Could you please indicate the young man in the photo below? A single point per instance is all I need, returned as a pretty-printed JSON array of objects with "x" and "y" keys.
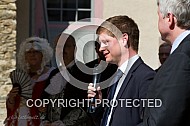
[
  {"x": 172, "y": 82},
  {"x": 119, "y": 39}
]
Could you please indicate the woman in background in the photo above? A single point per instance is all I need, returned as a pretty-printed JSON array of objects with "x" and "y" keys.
[{"x": 34, "y": 54}]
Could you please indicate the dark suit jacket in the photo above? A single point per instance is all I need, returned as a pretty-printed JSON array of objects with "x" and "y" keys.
[
  {"x": 172, "y": 86},
  {"x": 70, "y": 92},
  {"x": 134, "y": 86}
]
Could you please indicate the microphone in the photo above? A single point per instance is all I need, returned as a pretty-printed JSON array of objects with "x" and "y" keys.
[{"x": 95, "y": 81}]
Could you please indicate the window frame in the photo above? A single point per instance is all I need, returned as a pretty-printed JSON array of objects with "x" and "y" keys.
[{"x": 61, "y": 9}]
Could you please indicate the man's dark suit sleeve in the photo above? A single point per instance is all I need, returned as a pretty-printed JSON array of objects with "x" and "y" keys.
[{"x": 172, "y": 86}]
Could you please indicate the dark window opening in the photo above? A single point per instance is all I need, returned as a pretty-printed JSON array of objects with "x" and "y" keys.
[{"x": 69, "y": 10}]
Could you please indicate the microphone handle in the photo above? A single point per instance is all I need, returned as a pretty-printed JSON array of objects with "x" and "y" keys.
[{"x": 96, "y": 80}]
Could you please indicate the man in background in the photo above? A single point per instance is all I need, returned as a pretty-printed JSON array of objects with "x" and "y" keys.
[{"x": 164, "y": 52}]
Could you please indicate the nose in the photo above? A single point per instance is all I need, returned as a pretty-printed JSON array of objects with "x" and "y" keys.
[
  {"x": 165, "y": 55},
  {"x": 101, "y": 49}
]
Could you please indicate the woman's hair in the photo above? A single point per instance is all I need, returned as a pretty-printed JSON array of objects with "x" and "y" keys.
[
  {"x": 42, "y": 45},
  {"x": 179, "y": 8}
]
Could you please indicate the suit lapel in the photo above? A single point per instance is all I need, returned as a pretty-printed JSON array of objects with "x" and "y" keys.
[{"x": 127, "y": 79}]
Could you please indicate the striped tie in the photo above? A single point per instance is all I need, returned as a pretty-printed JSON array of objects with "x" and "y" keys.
[{"x": 110, "y": 96}]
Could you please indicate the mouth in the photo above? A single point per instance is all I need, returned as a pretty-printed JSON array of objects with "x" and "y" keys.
[{"x": 105, "y": 55}]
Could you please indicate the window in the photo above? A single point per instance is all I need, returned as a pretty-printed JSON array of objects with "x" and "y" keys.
[{"x": 69, "y": 10}]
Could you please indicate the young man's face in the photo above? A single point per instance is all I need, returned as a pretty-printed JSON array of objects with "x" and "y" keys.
[{"x": 110, "y": 48}]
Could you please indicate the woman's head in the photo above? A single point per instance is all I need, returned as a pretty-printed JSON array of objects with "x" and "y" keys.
[{"x": 34, "y": 52}]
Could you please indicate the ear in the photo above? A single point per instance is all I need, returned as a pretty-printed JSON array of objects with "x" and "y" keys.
[
  {"x": 125, "y": 39},
  {"x": 171, "y": 20}
]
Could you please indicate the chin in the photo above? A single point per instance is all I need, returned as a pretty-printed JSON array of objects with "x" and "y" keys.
[{"x": 108, "y": 60}]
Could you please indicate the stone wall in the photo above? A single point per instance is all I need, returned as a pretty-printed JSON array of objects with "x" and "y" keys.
[{"x": 7, "y": 49}]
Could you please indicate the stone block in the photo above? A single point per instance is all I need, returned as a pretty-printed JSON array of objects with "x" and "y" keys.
[
  {"x": 8, "y": 1},
  {"x": 11, "y": 6},
  {"x": 7, "y": 14}
]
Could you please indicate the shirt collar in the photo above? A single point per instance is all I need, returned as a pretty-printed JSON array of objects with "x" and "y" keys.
[
  {"x": 178, "y": 40},
  {"x": 128, "y": 63}
]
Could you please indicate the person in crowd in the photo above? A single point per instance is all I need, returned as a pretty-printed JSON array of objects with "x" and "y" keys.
[
  {"x": 60, "y": 87},
  {"x": 164, "y": 52},
  {"x": 171, "y": 83},
  {"x": 99, "y": 54},
  {"x": 33, "y": 56},
  {"x": 119, "y": 40}
]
